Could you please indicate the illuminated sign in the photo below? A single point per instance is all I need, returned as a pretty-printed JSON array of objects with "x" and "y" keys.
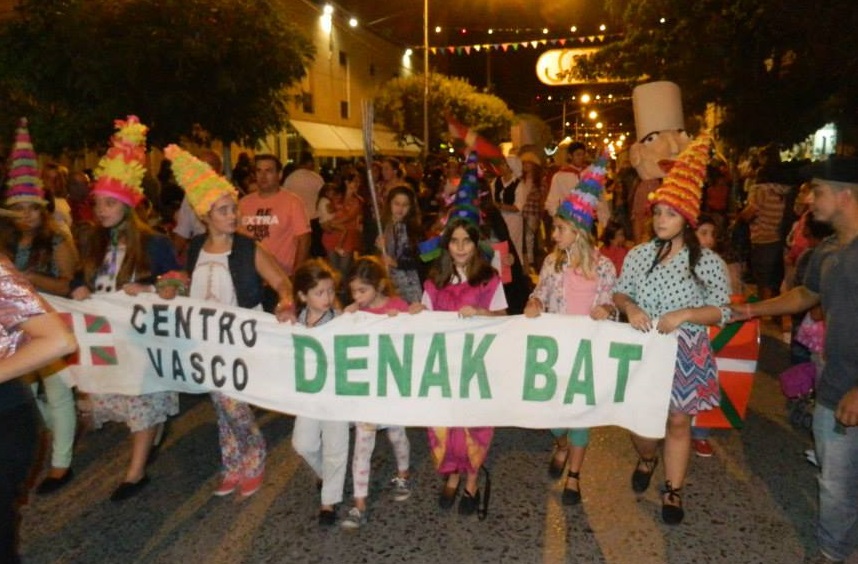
[{"x": 556, "y": 67}]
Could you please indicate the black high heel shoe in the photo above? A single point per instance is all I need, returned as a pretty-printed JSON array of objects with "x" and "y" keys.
[
  {"x": 570, "y": 496},
  {"x": 642, "y": 478},
  {"x": 672, "y": 512}
]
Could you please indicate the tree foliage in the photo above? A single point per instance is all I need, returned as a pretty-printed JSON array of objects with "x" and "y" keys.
[
  {"x": 217, "y": 68},
  {"x": 400, "y": 106},
  {"x": 779, "y": 69}
]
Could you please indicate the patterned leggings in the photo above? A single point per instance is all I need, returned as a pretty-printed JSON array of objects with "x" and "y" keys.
[
  {"x": 365, "y": 444},
  {"x": 242, "y": 446}
]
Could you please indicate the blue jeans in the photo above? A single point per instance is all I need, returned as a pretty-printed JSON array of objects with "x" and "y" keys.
[{"x": 837, "y": 453}]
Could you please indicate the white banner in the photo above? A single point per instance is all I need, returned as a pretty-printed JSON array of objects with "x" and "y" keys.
[{"x": 431, "y": 369}]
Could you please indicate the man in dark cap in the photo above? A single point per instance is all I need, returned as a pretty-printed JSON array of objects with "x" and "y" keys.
[{"x": 832, "y": 280}]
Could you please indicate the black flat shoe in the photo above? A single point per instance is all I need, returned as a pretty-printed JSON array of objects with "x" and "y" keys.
[
  {"x": 447, "y": 497},
  {"x": 127, "y": 490},
  {"x": 570, "y": 496},
  {"x": 327, "y": 518},
  {"x": 671, "y": 505},
  {"x": 642, "y": 478},
  {"x": 49, "y": 485},
  {"x": 469, "y": 503},
  {"x": 557, "y": 465}
]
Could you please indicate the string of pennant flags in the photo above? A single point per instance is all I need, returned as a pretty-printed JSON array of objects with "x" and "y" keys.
[{"x": 579, "y": 41}]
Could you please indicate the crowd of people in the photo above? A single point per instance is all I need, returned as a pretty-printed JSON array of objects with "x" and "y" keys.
[{"x": 519, "y": 236}]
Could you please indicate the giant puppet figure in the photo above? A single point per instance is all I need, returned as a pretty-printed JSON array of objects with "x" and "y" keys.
[{"x": 660, "y": 130}]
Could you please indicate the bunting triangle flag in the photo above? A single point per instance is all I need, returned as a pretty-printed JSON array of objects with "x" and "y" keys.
[
  {"x": 468, "y": 49},
  {"x": 451, "y": 49},
  {"x": 433, "y": 50},
  {"x": 561, "y": 42},
  {"x": 544, "y": 42},
  {"x": 534, "y": 44},
  {"x": 504, "y": 46},
  {"x": 477, "y": 48}
]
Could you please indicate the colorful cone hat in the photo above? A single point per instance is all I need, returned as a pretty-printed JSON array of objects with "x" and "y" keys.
[
  {"x": 682, "y": 188},
  {"x": 120, "y": 172},
  {"x": 23, "y": 183},
  {"x": 466, "y": 203},
  {"x": 581, "y": 203},
  {"x": 202, "y": 185}
]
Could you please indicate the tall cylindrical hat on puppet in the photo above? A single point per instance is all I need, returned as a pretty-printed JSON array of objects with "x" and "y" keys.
[
  {"x": 682, "y": 189},
  {"x": 657, "y": 107},
  {"x": 23, "y": 184},
  {"x": 121, "y": 170},
  {"x": 202, "y": 185}
]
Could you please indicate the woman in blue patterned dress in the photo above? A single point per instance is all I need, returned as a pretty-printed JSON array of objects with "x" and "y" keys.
[{"x": 672, "y": 284}]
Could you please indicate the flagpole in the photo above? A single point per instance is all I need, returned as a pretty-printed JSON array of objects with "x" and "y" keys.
[
  {"x": 368, "y": 115},
  {"x": 425, "y": 78}
]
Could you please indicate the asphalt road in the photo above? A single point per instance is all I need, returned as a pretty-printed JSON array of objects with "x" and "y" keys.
[{"x": 754, "y": 501}]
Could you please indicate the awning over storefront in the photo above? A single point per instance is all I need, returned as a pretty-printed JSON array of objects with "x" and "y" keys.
[
  {"x": 339, "y": 141},
  {"x": 387, "y": 143},
  {"x": 324, "y": 139}
]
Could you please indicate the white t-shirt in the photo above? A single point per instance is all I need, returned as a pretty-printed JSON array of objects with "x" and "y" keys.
[{"x": 211, "y": 280}]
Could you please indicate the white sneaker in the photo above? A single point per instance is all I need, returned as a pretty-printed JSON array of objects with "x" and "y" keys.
[
  {"x": 354, "y": 520},
  {"x": 810, "y": 455}
]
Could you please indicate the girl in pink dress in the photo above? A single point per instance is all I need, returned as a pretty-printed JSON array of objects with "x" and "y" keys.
[{"x": 461, "y": 280}]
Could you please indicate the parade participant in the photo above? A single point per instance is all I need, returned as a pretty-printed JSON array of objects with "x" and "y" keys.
[
  {"x": 685, "y": 288},
  {"x": 45, "y": 253},
  {"x": 276, "y": 219},
  {"x": 324, "y": 445},
  {"x": 125, "y": 254},
  {"x": 707, "y": 236},
  {"x": 831, "y": 281},
  {"x": 614, "y": 244},
  {"x": 510, "y": 194},
  {"x": 661, "y": 137},
  {"x": 567, "y": 176},
  {"x": 577, "y": 280},
  {"x": 462, "y": 280},
  {"x": 402, "y": 230},
  {"x": 229, "y": 268},
  {"x": 306, "y": 183},
  {"x": 31, "y": 336},
  {"x": 373, "y": 291}
]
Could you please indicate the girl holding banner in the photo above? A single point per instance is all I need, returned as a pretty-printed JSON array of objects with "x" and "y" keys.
[
  {"x": 126, "y": 254},
  {"x": 462, "y": 280},
  {"x": 45, "y": 253},
  {"x": 228, "y": 268},
  {"x": 575, "y": 279},
  {"x": 324, "y": 445},
  {"x": 685, "y": 288}
]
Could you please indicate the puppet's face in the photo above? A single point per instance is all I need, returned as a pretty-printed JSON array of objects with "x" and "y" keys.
[{"x": 654, "y": 155}]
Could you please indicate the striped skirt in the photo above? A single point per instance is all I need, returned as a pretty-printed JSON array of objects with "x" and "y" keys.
[{"x": 695, "y": 379}]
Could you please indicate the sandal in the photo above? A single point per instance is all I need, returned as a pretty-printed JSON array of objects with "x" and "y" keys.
[
  {"x": 642, "y": 478},
  {"x": 557, "y": 464},
  {"x": 570, "y": 496},
  {"x": 672, "y": 512}
]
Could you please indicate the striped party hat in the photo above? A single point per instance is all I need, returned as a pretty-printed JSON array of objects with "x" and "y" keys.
[{"x": 23, "y": 183}]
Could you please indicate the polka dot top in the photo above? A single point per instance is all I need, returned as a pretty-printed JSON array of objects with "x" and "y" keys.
[{"x": 670, "y": 286}]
